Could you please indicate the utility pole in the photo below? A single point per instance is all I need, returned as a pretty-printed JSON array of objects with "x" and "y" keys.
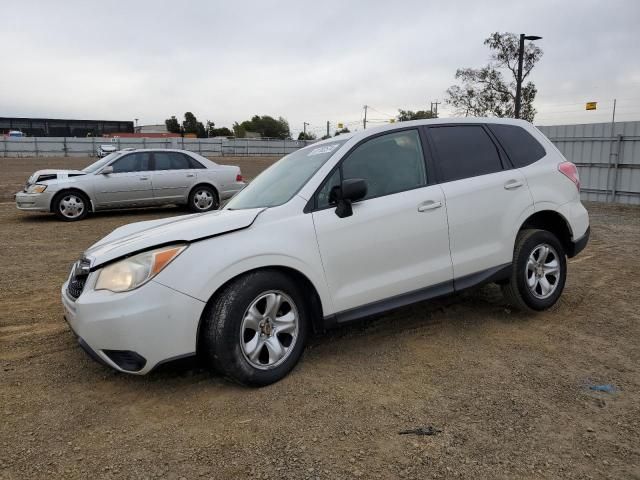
[
  {"x": 523, "y": 37},
  {"x": 304, "y": 130},
  {"x": 328, "y": 128},
  {"x": 434, "y": 108},
  {"x": 365, "y": 117}
]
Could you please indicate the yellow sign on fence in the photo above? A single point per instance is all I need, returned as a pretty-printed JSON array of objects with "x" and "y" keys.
[
  {"x": 341, "y": 125},
  {"x": 591, "y": 105}
]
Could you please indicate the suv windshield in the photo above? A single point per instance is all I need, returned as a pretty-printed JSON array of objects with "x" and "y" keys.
[
  {"x": 282, "y": 180},
  {"x": 94, "y": 167}
]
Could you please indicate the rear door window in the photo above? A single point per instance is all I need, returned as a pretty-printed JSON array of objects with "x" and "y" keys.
[
  {"x": 464, "y": 151},
  {"x": 519, "y": 144},
  {"x": 171, "y": 161}
]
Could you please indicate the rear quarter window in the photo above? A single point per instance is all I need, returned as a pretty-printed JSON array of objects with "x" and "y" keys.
[{"x": 519, "y": 144}]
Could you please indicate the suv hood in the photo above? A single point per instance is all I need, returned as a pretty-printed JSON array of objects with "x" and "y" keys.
[
  {"x": 140, "y": 236},
  {"x": 44, "y": 175}
]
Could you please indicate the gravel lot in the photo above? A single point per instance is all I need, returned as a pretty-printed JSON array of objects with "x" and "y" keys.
[{"x": 508, "y": 391}]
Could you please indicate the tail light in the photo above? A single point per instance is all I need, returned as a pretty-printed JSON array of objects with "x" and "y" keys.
[
  {"x": 570, "y": 171},
  {"x": 239, "y": 177}
]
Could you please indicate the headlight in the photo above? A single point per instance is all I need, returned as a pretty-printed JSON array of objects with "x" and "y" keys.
[
  {"x": 135, "y": 271},
  {"x": 36, "y": 188}
]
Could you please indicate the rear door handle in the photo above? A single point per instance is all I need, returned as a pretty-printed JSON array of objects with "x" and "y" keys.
[
  {"x": 429, "y": 205},
  {"x": 511, "y": 184},
  {"x": 190, "y": 175},
  {"x": 144, "y": 178}
]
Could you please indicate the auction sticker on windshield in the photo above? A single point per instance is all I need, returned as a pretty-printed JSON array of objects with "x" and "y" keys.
[{"x": 323, "y": 149}]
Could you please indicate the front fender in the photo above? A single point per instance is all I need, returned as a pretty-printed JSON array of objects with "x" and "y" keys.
[{"x": 207, "y": 265}]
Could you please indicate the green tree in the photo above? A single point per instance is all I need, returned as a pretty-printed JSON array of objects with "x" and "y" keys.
[
  {"x": 193, "y": 126},
  {"x": 485, "y": 92},
  {"x": 239, "y": 130},
  {"x": 307, "y": 136},
  {"x": 173, "y": 126},
  {"x": 265, "y": 125},
  {"x": 406, "y": 115},
  {"x": 190, "y": 123},
  {"x": 217, "y": 132},
  {"x": 343, "y": 130}
]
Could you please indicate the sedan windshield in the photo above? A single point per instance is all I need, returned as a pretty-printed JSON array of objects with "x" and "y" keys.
[
  {"x": 282, "y": 180},
  {"x": 94, "y": 167}
]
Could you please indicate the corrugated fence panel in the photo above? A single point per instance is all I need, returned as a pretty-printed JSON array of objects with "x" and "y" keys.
[
  {"x": 211, "y": 147},
  {"x": 608, "y": 160}
]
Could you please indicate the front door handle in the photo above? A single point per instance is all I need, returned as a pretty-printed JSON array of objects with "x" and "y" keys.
[
  {"x": 429, "y": 205},
  {"x": 144, "y": 178},
  {"x": 511, "y": 184}
]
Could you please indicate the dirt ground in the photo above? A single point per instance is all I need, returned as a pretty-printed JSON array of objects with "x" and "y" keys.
[{"x": 507, "y": 392}]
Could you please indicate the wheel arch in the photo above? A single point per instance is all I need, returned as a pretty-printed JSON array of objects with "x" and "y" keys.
[
  {"x": 309, "y": 291},
  {"x": 553, "y": 222},
  {"x": 70, "y": 190}
]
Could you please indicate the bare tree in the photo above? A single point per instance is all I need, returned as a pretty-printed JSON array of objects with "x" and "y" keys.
[{"x": 484, "y": 91}]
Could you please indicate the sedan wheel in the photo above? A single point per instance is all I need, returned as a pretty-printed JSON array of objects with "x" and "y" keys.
[
  {"x": 203, "y": 199},
  {"x": 71, "y": 206}
]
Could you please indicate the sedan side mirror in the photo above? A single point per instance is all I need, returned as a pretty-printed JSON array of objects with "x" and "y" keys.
[
  {"x": 351, "y": 190},
  {"x": 107, "y": 170}
]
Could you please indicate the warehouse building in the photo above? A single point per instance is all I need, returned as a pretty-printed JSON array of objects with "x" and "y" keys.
[{"x": 56, "y": 127}]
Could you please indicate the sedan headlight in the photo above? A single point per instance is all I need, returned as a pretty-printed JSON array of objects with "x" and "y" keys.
[
  {"x": 135, "y": 271},
  {"x": 36, "y": 188}
]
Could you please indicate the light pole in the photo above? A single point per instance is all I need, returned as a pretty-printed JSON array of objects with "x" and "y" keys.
[
  {"x": 523, "y": 37},
  {"x": 136, "y": 129},
  {"x": 304, "y": 131}
]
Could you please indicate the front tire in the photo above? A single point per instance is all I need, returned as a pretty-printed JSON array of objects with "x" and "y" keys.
[
  {"x": 255, "y": 329},
  {"x": 539, "y": 271},
  {"x": 71, "y": 206}
]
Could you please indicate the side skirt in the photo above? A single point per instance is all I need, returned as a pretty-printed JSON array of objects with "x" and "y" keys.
[{"x": 494, "y": 274}]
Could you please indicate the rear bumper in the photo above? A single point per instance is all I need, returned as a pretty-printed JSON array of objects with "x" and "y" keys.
[
  {"x": 232, "y": 190},
  {"x": 578, "y": 245}
]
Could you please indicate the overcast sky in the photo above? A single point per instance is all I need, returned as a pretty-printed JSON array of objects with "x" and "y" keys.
[{"x": 305, "y": 61}]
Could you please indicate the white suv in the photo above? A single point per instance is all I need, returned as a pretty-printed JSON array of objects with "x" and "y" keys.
[{"x": 337, "y": 231}]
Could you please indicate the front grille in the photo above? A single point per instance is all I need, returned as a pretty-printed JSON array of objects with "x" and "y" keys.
[{"x": 78, "y": 278}]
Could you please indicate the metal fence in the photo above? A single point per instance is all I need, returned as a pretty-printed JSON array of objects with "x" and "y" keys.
[
  {"x": 607, "y": 156},
  {"x": 210, "y": 147}
]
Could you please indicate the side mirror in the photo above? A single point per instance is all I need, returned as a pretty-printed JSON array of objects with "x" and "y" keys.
[
  {"x": 107, "y": 170},
  {"x": 351, "y": 190}
]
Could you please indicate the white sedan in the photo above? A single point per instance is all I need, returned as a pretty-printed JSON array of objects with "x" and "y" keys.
[{"x": 132, "y": 178}]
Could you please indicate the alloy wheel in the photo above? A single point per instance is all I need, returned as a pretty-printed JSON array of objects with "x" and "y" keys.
[
  {"x": 71, "y": 206},
  {"x": 269, "y": 330},
  {"x": 542, "y": 273},
  {"x": 203, "y": 199}
]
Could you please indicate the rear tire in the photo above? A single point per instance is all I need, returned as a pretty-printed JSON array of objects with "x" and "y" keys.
[
  {"x": 539, "y": 271},
  {"x": 255, "y": 329},
  {"x": 203, "y": 198},
  {"x": 70, "y": 206}
]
